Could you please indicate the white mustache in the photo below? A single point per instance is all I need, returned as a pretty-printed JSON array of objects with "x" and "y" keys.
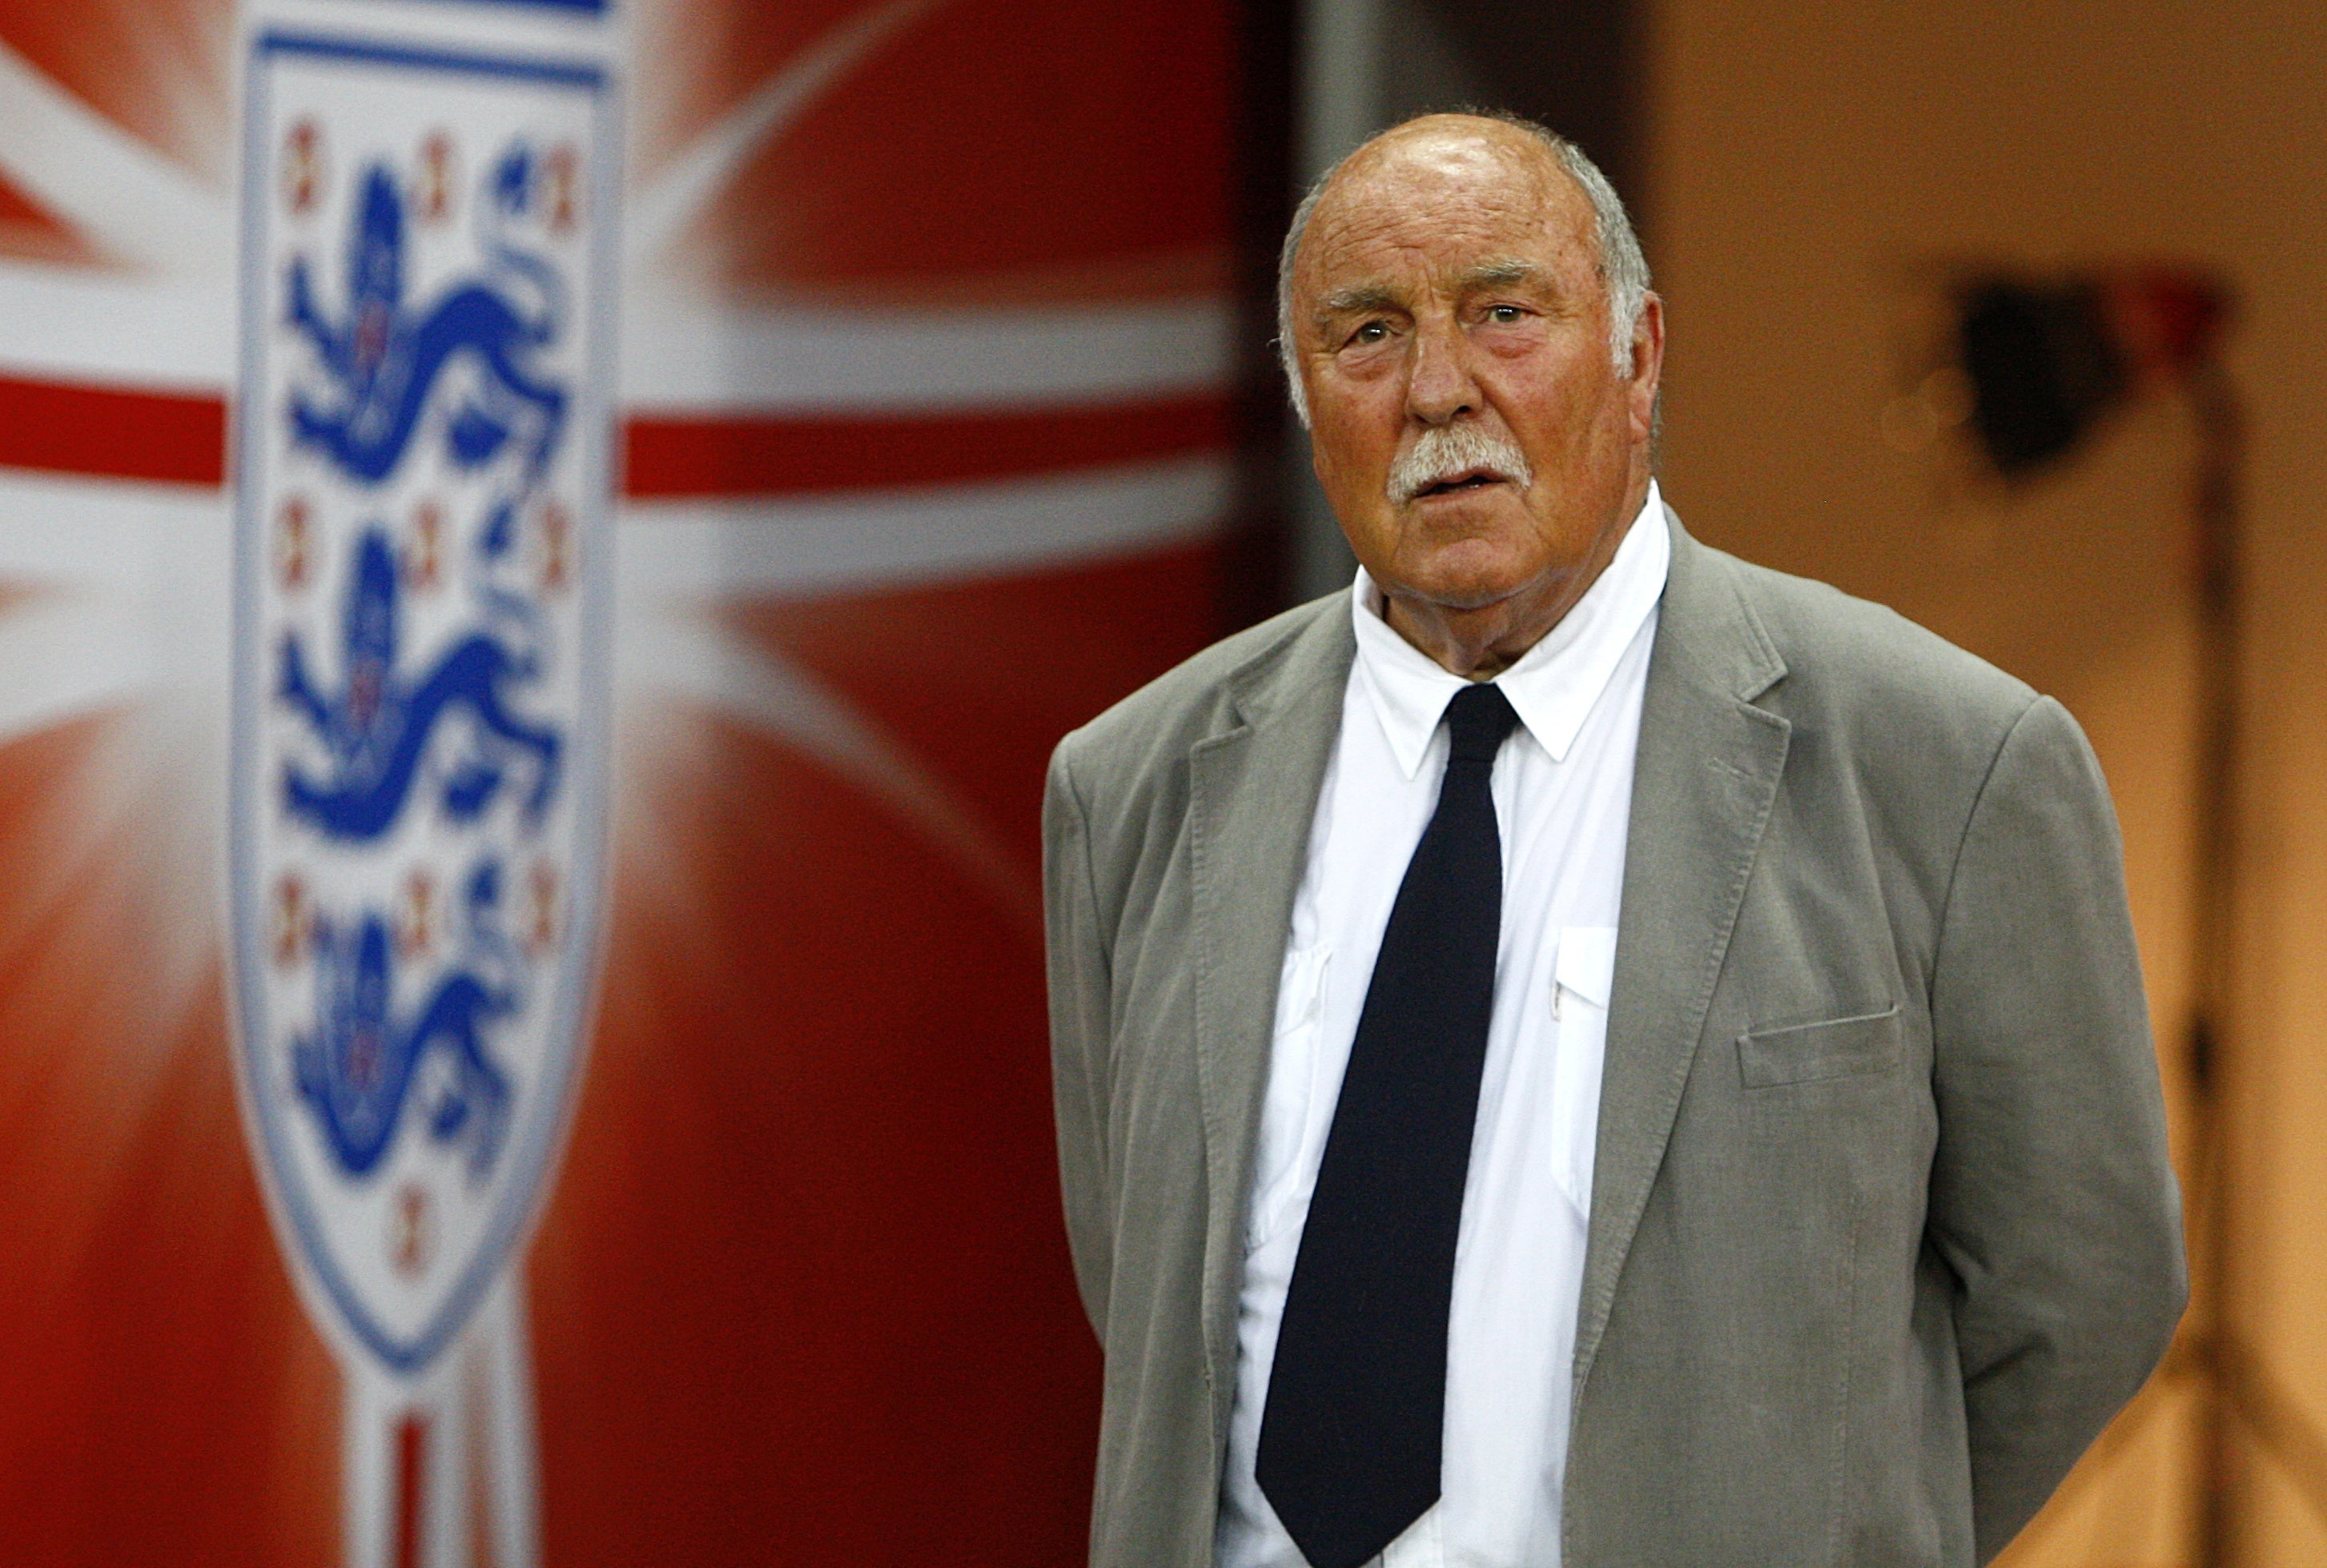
[{"x": 1444, "y": 451}]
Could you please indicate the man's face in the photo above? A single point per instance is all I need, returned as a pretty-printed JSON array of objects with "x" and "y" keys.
[{"x": 1467, "y": 421}]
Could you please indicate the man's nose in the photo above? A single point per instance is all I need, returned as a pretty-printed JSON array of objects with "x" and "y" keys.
[{"x": 1439, "y": 385}]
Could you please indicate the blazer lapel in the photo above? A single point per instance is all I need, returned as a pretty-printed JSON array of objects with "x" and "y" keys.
[
  {"x": 1252, "y": 793},
  {"x": 1705, "y": 775}
]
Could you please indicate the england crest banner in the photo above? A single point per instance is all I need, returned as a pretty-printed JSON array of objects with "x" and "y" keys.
[
  {"x": 423, "y": 595},
  {"x": 522, "y": 1037}
]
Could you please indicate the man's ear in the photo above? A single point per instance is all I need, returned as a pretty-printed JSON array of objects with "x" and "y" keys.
[{"x": 1648, "y": 364}]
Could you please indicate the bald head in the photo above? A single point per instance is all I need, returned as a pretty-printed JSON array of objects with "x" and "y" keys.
[{"x": 1535, "y": 165}]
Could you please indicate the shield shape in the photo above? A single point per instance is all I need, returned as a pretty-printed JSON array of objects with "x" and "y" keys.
[{"x": 421, "y": 657}]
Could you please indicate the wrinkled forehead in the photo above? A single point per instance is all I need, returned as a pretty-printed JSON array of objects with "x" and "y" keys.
[{"x": 1444, "y": 204}]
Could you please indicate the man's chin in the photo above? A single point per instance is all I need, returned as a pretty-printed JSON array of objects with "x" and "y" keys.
[{"x": 1471, "y": 575}]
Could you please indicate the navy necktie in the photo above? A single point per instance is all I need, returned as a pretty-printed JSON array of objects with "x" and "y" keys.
[{"x": 1351, "y": 1433}]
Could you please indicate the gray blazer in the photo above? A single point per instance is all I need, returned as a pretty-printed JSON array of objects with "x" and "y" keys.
[{"x": 1883, "y": 1230}]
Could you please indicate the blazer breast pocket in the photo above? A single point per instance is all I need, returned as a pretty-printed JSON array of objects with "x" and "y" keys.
[{"x": 1802, "y": 1053}]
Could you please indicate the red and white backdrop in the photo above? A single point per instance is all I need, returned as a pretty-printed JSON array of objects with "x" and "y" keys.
[{"x": 814, "y": 407}]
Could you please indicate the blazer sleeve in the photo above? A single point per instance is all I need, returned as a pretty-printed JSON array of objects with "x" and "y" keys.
[
  {"x": 1079, "y": 1034},
  {"x": 2052, "y": 1199}
]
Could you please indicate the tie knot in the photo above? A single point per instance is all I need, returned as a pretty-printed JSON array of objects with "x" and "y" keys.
[{"x": 1478, "y": 719}]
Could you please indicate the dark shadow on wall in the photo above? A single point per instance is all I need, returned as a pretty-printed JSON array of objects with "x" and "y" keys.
[{"x": 1579, "y": 67}]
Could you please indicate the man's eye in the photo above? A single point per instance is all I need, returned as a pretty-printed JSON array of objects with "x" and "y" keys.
[
  {"x": 1504, "y": 316},
  {"x": 1372, "y": 332}
]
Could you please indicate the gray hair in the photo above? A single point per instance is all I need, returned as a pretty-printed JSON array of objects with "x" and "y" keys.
[{"x": 1623, "y": 270}]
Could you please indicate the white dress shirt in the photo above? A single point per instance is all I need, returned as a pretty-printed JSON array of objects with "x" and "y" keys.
[{"x": 1563, "y": 788}]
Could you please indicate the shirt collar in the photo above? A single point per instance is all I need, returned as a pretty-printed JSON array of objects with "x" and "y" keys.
[{"x": 1553, "y": 685}]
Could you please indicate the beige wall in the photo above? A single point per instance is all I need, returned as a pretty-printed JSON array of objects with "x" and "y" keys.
[{"x": 1810, "y": 162}]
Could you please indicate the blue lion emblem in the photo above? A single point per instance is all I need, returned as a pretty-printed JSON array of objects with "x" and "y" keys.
[
  {"x": 377, "y": 730},
  {"x": 385, "y": 359},
  {"x": 358, "y": 1069}
]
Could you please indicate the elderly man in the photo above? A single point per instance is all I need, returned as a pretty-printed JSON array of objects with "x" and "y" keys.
[{"x": 1582, "y": 1050}]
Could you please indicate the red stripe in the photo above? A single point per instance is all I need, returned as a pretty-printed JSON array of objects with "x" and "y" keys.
[
  {"x": 671, "y": 458},
  {"x": 104, "y": 432},
  {"x": 110, "y": 433},
  {"x": 411, "y": 1460}
]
